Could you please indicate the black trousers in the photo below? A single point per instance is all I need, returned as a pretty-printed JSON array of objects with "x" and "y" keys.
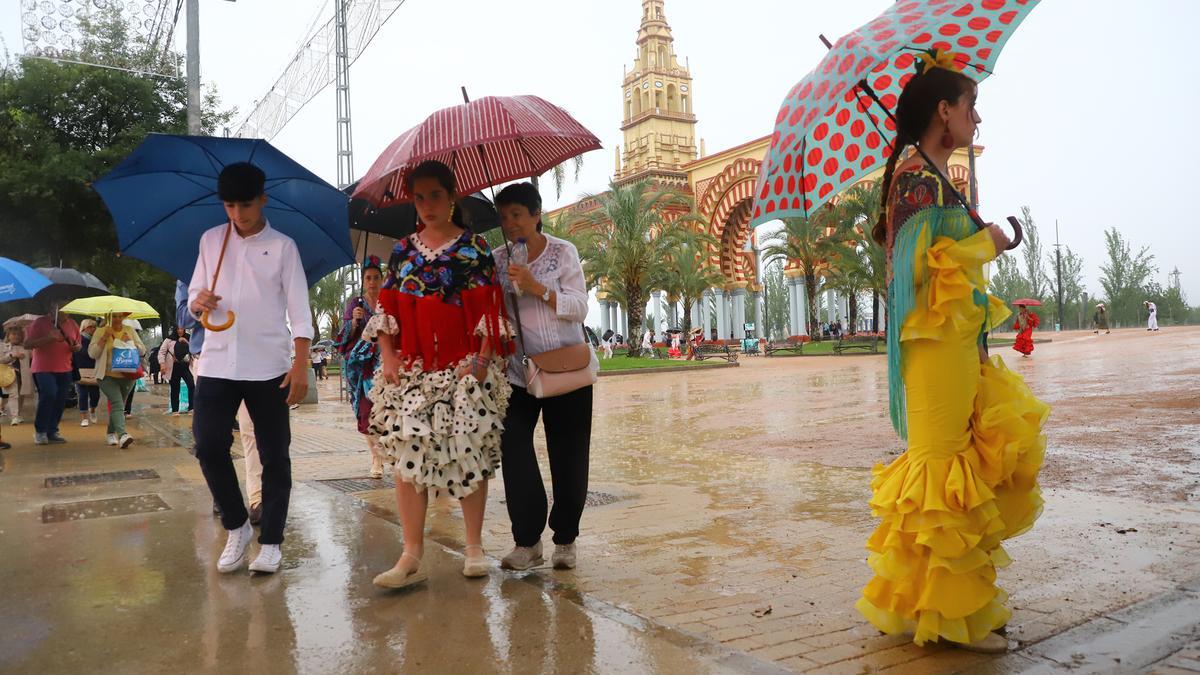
[
  {"x": 568, "y": 424},
  {"x": 215, "y": 409},
  {"x": 181, "y": 371}
]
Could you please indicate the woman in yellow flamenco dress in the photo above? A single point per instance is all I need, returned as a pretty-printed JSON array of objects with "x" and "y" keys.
[{"x": 968, "y": 479}]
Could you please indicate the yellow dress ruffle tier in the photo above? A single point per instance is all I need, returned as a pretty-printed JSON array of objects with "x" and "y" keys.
[{"x": 968, "y": 479}]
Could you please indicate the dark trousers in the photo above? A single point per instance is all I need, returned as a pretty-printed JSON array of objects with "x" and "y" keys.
[
  {"x": 568, "y": 423},
  {"x": 215, "y": 409},
  {"x": 182, "y": 372},
  {"x": 89, "y": 396},
  {"x": 129, "y": 399},
  {"x": 52, "y": 389}
]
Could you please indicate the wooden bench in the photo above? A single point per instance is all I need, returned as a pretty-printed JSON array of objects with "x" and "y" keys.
[
  {"x": 864, "y": 343},
  {"x": 785, "y": 347},
  {"x": 715, "y": 351}
]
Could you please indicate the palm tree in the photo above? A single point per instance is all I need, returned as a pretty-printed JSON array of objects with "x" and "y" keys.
[
  {"x": 687, "y": 274},
  {"x": 328, "y": 299},
  {"x": 867, "y": 267},
  {"x": 810, "y": 243},
  {"x": 624, "y": 243}
]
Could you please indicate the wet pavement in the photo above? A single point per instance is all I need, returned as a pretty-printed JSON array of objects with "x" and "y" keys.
[{"x": 727, "y": 535}]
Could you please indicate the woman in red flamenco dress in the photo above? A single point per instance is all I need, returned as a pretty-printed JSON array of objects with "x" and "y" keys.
[{"x": 1026, "y": 322}]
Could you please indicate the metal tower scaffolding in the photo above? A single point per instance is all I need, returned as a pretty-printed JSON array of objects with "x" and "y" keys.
[
  {"x": 324, "y": 58},
  {"x": 345, "y": 140}
]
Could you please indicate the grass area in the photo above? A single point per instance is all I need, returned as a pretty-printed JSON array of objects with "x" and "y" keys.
[{"x": 622, "y": 362}]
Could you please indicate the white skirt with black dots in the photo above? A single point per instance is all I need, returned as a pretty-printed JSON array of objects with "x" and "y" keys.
[{"x": 442, "y": 431}]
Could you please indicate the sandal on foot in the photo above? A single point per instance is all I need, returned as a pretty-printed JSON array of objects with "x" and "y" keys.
[
  {"x": 475, "y": 566},
  {"x": 994, "y": 643},
  {"x": 402, "y": 575}
]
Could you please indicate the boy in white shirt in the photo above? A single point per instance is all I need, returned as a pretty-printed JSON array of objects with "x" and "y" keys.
[{"x": 262, "y": 282}]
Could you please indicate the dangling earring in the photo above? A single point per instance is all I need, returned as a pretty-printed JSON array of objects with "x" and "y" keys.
[
  {"x": 451, "y": 218},
  {"x": 947, "y": 139}
]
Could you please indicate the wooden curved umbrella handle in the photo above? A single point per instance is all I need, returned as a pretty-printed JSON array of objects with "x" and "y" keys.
[
  {"x": 217, "y": 327},
  {"x": 1018, "y": 233}
]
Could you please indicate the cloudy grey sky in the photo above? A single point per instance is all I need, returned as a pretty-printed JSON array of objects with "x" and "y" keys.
[{"x": 1089, "y": 119}]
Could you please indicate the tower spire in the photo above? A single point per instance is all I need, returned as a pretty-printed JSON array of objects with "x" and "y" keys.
[
  {"x": 654, "y": 22},
  {"x": 658, "y": 123}
]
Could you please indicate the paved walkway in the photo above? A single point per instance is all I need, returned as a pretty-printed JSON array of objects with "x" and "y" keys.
[{"x": 728, "y": 524}]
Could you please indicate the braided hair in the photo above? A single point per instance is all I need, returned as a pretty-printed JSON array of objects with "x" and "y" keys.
[{"x": 914, "y": 112}]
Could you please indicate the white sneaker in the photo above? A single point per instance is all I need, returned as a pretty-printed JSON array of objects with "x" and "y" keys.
[
  {"x": 126, "y": 440},
  {"x": 236, "y": 543},
  {"x": 16, "y": 421},
  {"x": 268, "y": 559},
  {"x": 92, "y": 416},
  {"x": 84, "y": 422},
  {"x": 523, "y": 557},
  {"x": 112, "y": 439}
]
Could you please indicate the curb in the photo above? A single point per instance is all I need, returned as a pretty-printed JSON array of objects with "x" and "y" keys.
[{"x": 669, "y": 369}]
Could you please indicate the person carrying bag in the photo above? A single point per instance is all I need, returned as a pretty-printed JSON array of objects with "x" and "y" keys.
[
  {"x": 118, "y": 352},
  {"x": 551, "y": 374}
]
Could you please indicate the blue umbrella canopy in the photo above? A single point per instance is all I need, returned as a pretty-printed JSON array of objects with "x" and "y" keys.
[
  {"x": 163, "y": 197},
  {"x": 19, "y": 281}
]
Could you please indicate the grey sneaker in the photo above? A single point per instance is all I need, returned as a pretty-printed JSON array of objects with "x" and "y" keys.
[
  {"x": 564, "y": 556},
  {"x": 55, "y": 438},
  {"x": 40, "y": 439},
  {"x": 523, "y": 557}
]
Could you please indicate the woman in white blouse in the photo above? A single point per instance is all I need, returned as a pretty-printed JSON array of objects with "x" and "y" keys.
[{"x": 553, "y": 303}]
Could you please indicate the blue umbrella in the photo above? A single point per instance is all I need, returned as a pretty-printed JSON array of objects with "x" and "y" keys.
[
  {"x": 163, "y": 196},
  {"x": 19, "y": 282}
]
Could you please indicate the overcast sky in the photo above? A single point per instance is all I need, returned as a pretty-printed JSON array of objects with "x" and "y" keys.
[{"x": 1089, "y": 119}]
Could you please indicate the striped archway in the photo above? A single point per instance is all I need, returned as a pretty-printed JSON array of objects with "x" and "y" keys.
[{"x": 726, "y": 207}]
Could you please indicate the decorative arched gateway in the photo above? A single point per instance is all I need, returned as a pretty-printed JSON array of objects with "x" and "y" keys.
[{"x": 660, "y": 146}]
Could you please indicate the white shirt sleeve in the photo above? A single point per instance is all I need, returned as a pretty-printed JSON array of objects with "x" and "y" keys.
[
  {"x": 200, "y": 276},
  {"x": 295, "y": 290},
  {"x": 572, "y": 298}
]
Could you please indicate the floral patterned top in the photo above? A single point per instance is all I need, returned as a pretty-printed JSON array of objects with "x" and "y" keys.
[{"x": 442, "y": 303}]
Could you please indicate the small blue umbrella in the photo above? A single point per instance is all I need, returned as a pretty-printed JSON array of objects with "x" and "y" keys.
[
  {"x": 163, "y": 197},
  {"x": 19, "y": 282}
]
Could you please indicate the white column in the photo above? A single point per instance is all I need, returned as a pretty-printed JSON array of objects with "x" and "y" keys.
[
  {"x": 760, "y": 314},
  {"x": 706, "y": 314},
  {"x": 623, "y": 322},
  {"x": 801, "y": 307},
  {"x": 830, "y": 304},
  {"x": 696, "y": 323},
  {"x": 656, "y": 305},
  {"x": 739, "y": 313},
  {"x": 605, "y": 318},
  {"x": 722, "y": 314}
]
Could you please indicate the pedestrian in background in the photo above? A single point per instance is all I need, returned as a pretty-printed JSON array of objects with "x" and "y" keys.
[
  {"x": 14, "y": 353},
  {"x": 87, "y": 387},
  {"x": 52, "y": 338},
  {"x": 118, "y": 353}
]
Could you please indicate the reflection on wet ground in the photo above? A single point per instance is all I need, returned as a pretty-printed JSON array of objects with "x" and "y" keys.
[{"x": 739, "y": 527}]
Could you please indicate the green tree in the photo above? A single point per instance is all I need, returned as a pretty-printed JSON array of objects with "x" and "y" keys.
[
  {"x": 1124, "y": 277},
  {"x": 686, "y": 274},
  {"x": 1037, "y": 284},
  {"x": 327, "y": 299},
  {"x": 625, "y": 240},
  {"x": 775, "y": 301},
  {"x": 1007, "y": 283},
  {"x": 63, "y": 125},
  {"x": 811, "y": 243},
  {"x": 861, "y": 211},
  {"x": 1072, "y": 288}
]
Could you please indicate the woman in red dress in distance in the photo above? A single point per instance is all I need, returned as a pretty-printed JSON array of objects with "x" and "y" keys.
[{"x": 1026, "y": 322}]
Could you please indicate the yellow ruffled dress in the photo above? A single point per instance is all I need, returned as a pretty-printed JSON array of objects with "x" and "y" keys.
[{"x": 968, "y": 479}]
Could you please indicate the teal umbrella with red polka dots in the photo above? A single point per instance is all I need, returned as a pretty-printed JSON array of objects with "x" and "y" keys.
[{"x": 836, "y": 125}]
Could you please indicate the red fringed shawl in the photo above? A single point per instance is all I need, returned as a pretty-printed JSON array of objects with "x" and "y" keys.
[{"x": 441, "y": 302}]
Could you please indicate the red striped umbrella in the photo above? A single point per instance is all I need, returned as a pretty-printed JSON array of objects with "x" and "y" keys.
[{"x": 487, "y": 141}]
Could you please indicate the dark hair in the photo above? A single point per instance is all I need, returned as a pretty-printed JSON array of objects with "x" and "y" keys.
[
  {"x": 914, "y": 111},
  {"x": 431, "y": 168},
  {"x": 240, "y": 182},
  {"x": 523, "y": 194}
]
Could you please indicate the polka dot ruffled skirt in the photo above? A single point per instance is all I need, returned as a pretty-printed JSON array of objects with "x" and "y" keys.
[{"x": 442, "y": 431}]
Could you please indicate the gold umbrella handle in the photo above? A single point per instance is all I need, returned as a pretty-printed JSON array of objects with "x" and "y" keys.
[{"x": 218, "y": 327}]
